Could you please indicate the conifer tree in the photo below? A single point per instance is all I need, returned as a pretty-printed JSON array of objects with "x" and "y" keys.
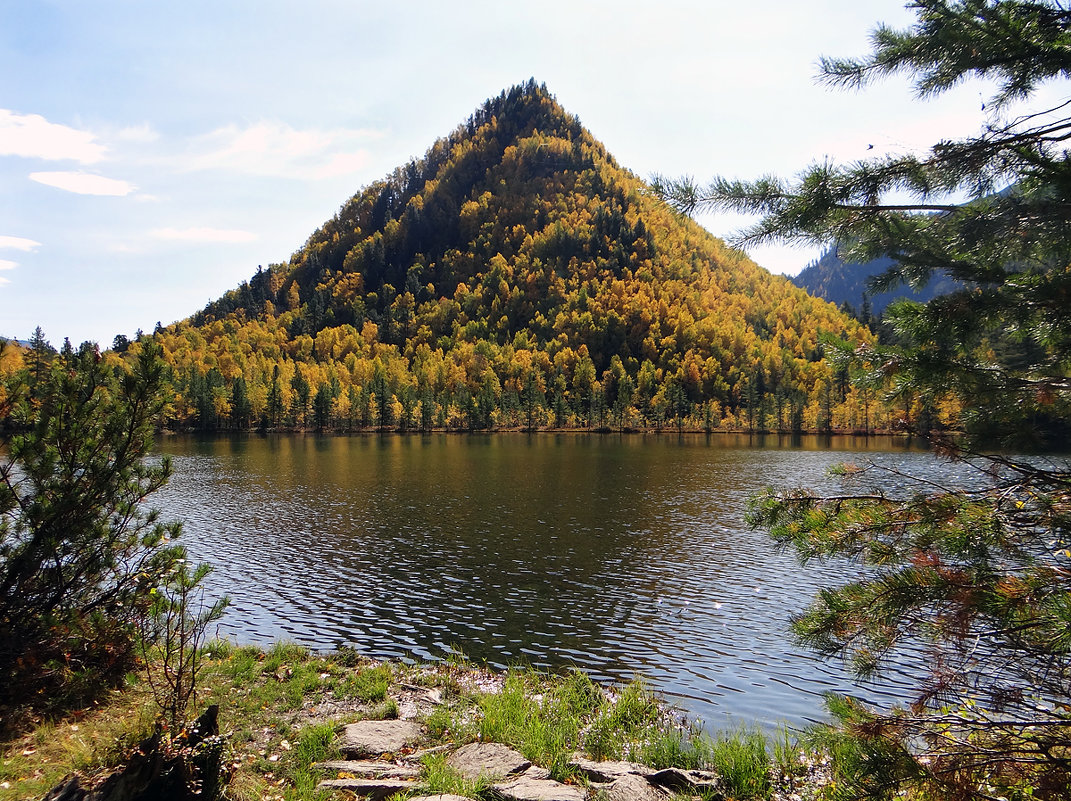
[
  {"x": 973, "y": 570},
  {"x": 80, "y": 554}
]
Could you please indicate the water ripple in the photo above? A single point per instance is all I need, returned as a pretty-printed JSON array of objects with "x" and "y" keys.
[{"x": 619, "y": 555}]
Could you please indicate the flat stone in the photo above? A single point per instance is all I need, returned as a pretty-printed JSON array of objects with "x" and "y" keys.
[
  {"x": 371, "y": 770},
  {"x": 607, "y": 771},
  {"x": 679, "y": 780},
  {"x": 673, "y": 778},
  {"x": 492, "y": 760},
  {"x": 707, "y": 782},
  {"x": 373, "y": 737},
  {"x": 524, "y": 788},
  {"x": 633, "y": 787},
  {"x": 370, "y": 788}
]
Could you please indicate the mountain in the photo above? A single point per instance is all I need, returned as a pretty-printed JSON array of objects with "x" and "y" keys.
[
  {"x": 515, "y": 275},
  {"x": 841, "y": 282}
]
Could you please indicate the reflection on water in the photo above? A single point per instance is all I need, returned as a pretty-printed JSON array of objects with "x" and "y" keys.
[{"x": 620, "y": 554}]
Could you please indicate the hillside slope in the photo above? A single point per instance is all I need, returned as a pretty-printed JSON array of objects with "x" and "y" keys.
[{"x": 516, "y": 275}]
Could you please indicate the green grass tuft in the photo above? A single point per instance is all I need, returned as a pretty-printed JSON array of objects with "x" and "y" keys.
[
  {"x": 315, "y": 744},
  {"x": 632, "y": 718},
  {"x": 366, "y": 684},
  {"x": 439, "y": 778},
  {"x": 545, "y": 728},
  {"x": 442, "y": 723},
  {"x": 742, "y": 761},
  {"x": 285, "y": 653},
  {"x": 673, "y": 748}
]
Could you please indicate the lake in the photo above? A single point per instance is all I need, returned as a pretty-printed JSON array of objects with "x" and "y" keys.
[{"x": 624, "y": 555}]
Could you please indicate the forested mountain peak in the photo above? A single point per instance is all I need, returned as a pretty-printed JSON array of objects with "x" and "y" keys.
[
  {"x": 504, "y": 165},
  {"x": 514, "y": 257}
]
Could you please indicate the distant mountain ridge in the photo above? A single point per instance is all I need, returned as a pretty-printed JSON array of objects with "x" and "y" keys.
[
  {"x": 831, "y": 278},
  {"x": 515, "y": 275}
]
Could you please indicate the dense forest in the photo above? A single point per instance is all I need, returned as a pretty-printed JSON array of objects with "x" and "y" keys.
[{"x": 515, "y": 276}]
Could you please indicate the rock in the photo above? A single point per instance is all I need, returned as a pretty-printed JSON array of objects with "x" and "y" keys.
[
  {"x": 633, "y": 787},
  {"x": 525, "y": 788},
  {"x": 671, "y": 778},
  {"x": 374, "y": 737},
  {"x": 607, "y": 771},
  {"x": 679, "y": 780},
  {"x": 371, "y": 788},
  {"x": 371, "y": 770},
  {"x": 536, "y": 772},
  {"x": 441, "y": 797},
  {"x": 706, "y": 782},
  {"x": 432, "y": 695},
  {"x": 493, "y": 760}
]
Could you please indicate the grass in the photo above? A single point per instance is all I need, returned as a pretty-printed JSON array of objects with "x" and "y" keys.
[
  {"x": 674, "y": 748},
  {"x": 439, "y": 778},
  {"x": 315, "y": 744},
  {"x": 89, "y": 743},
  {"x": 540, "y": 717},
  {"x": 545, "y": 727},
  {"x": 624, "y": 724},
  {"x": 280, "y": 709},
  {"x": 743, "y": 762},
  {"x": 550, "y": 719},
  {"x": 262, "y": 695},
  {"x": 368, "y": 684}
]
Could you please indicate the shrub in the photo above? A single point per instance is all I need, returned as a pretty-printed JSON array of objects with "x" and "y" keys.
[{"x": 79, "y": 553}]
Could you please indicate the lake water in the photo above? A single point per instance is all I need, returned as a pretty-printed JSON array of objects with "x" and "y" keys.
[{"x": 622, "y": 554}]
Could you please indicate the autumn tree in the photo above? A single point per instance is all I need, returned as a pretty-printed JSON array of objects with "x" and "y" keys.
[{"x": 972, "y": 568}]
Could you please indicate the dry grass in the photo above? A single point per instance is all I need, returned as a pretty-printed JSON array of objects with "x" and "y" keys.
[{"x": 89, "y": 742}]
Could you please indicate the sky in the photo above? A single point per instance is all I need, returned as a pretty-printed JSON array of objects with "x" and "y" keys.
[{"x": 154, "y": 153}]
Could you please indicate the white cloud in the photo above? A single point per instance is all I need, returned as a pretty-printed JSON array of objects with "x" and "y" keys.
[
  {"x": 277, "y": 150},
  {"x": 139, "y": 133},
  {"x": 84, "y": 183},
  {"x": 6, "y": 265},
  {"x": 32, "y": 136},
  {"x": 203, "y": 235},
  {"x": 18, "y": 243}
]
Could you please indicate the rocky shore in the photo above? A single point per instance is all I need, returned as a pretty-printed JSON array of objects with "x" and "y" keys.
[{"x": 294, "y": 725}]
